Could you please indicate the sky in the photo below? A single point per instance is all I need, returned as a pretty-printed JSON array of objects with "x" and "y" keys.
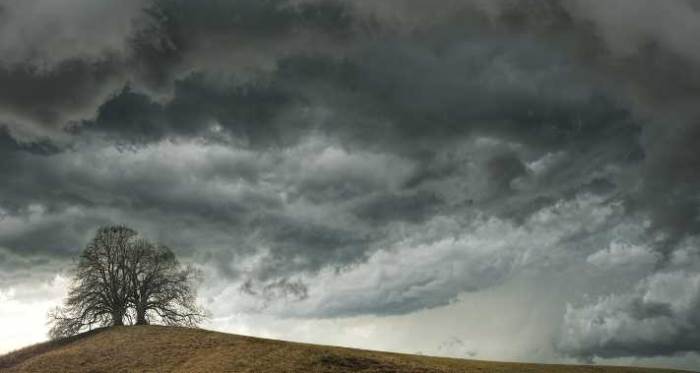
[{"x": 489, "y": 179}]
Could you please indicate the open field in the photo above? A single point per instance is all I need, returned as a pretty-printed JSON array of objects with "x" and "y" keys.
[{"x": 167, "y": 349}]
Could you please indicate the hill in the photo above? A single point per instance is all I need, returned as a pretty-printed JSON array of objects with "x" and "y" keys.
[{"x": 168, "y": 349}]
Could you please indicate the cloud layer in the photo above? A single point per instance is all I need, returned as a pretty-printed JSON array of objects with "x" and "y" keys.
[{"x": 333, "y": 159}]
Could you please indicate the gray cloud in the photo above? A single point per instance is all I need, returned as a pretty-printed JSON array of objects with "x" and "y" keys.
[
  {"x": 429, "y": 265},
  {"x": 414, "y": 207},
  {"x": 658, "y": 318},
  {"x": 175, "y": 36},
  {"x": 200, "y": 104}
]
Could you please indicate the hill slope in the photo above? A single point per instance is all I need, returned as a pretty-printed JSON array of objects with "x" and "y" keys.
[{"x": 164, "y": 349}]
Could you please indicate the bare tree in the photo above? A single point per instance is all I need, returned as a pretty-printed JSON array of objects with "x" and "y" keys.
[
  {"x": 97, "y": 296},
  {"x": 162, "y": 290},
  {"x": 119, "y": 275}
]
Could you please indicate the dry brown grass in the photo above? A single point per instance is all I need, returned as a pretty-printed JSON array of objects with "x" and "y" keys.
[{"x": 165, "y": 349}]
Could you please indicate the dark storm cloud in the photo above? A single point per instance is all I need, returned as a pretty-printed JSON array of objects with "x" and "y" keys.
[
  {"x": 130, "y": 186},
  {"x": 278, "y": 289},
  {"x": 313, "y": 135},
  {"x": 249, "y": 18},
  {"x": 496, "y": 87},
  {"x": 9, "y": 145},
  {"x": 470, "y": 85},
  {"x": 51, "y": 95},
  {"x": 59, "y": 60},
  {"x": 503, "y": 169},
  {"x": 389, "y": 208},
  {"x": 173, "y": 31},
  {"x": 415, "y": 96},
  {"x": 296, "y": 245},
  {"x": 396, "y": 94},
  {"x": 670, "y": 180},
  {"x": 58, "y": 238},
  {"x": 157, "y": 42},
  {"x": 199, "y": 104}
]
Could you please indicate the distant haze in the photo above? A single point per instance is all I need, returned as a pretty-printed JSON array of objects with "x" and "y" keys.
[{"x": 509, "y": 180}]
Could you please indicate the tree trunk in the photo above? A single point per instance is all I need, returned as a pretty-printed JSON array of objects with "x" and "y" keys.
[
  {"x": 141, "y": 316},
  {"x": 117, "y": 318}
]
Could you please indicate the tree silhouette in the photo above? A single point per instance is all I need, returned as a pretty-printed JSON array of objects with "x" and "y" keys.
[
  {"x": 161, "y": 289},
  {"x": 119, "y": 274}
]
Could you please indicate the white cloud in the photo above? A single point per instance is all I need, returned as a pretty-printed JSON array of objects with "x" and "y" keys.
[
  {"x": 622, "y": 254},
  {"x": 429, "y": 265},
  {"x": 658, "y": 318},
  {"x": 24, "y": 309}
]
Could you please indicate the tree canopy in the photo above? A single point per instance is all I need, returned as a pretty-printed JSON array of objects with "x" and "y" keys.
[{"x": 120, "y": 277}]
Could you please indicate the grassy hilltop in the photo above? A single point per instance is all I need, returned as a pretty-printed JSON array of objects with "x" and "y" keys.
[{"x": 166, "y": 349}]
